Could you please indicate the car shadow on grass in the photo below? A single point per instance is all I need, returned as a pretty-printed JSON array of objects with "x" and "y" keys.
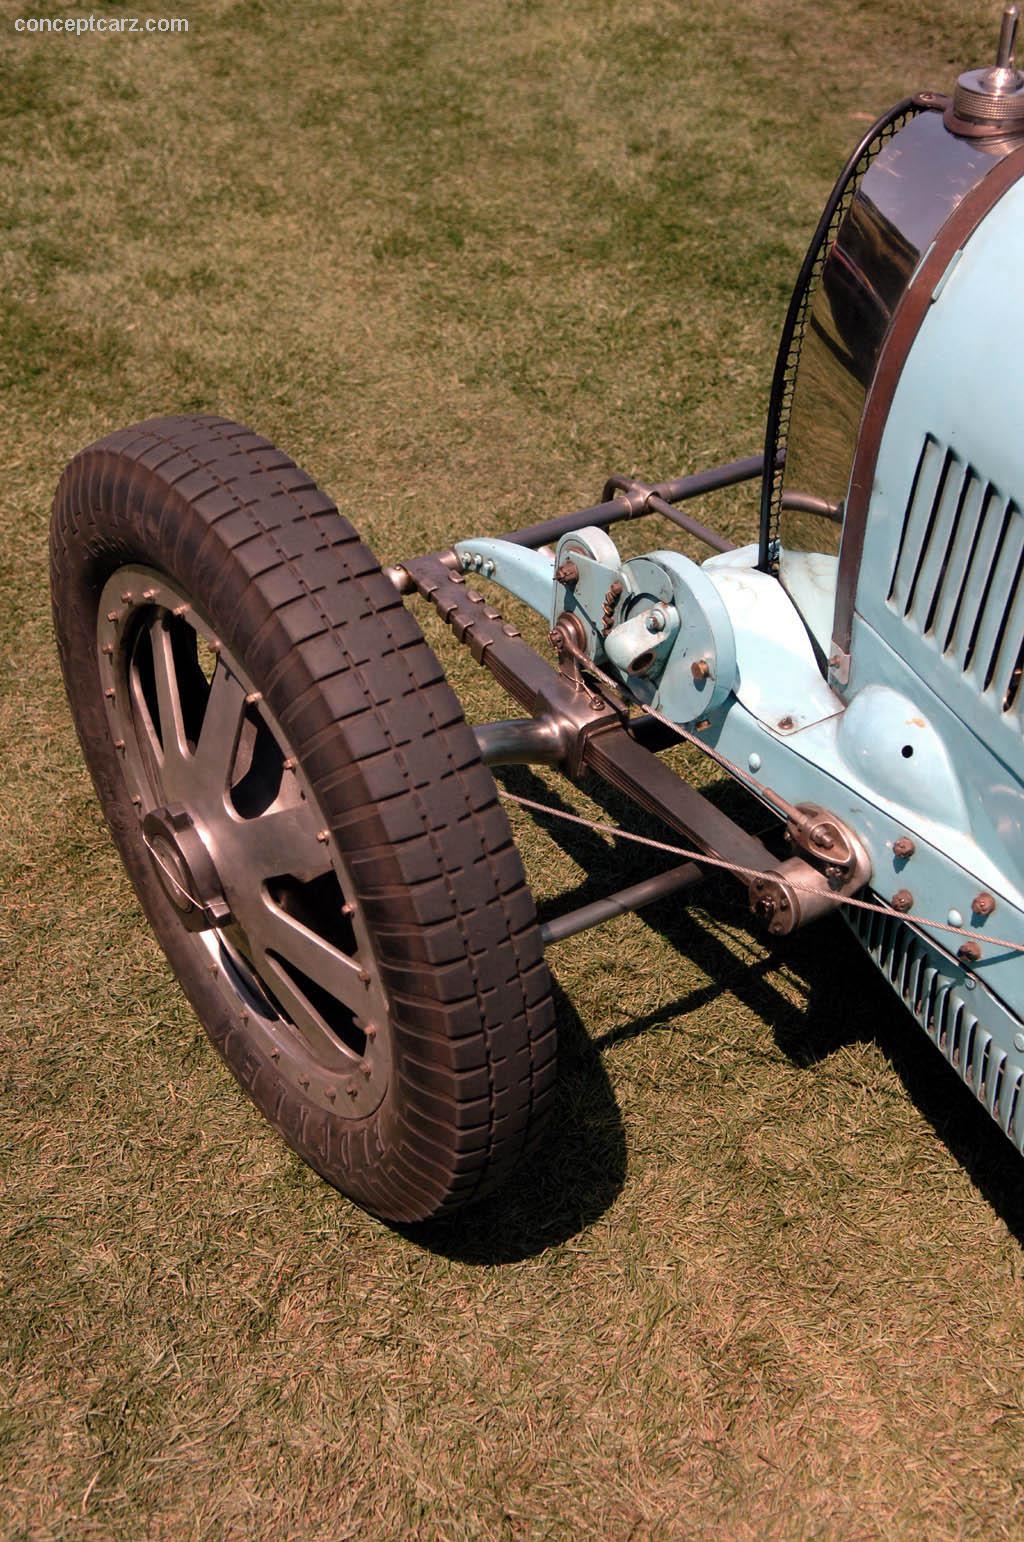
[{"x": 846, "y": 1002}]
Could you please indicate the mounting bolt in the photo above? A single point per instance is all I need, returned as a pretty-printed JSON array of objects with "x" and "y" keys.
[
  {"x": 764, "y": 909},
  {"x": 969, "y": 953},
  {"x": 983, "y": 904},
  {"x": 903, "y": 848},
  {"x": 700, "y": 669},
  {"x": 821, "y": 838},
  {"x": 567, "y": 573},
  {"x": 902, "y": 901},
  {"x": 655, "y": 621},
  {"x": 833, "y": 870},
  {"x": 786, "y": 723}
]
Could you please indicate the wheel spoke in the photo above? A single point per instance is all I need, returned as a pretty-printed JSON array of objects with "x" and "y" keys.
[
  {"x": 283, "y": 840},
  {"x": 327, "y": 966},
  {"x": 145, "y": 728},
  {"x": 218, "y": 738},
  {"x": 168, "y": 697},
  {"x": 325, "y": 1044}
]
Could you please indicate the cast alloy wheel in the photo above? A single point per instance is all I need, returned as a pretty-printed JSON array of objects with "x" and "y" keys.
[{"x": 239, "y": 844}]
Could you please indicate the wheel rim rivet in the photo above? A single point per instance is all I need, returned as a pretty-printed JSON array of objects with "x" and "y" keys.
[
  {"x": 253, "y": 697},
  {"x": 107, "y": 648},
  {"x": 109, "y": 693},
  {"x": 370, "y": 1032},
  {"x": 352, "y": 1090},
  {"x": 112, "y": 615},
  {"x": 127, "y": 597},
  {"x": 181, "y": 610},
  {"x": 137, "y": 800},
  {"x": 366, "y": 1068},
  {"x": 347, "y": 909},
  {"x": 364, "y": 975},
  {"x": 275, "y": 1054},
  {"x": 330, "y": 1093},
  {"x": 303, "y": 1081},
  {"x": 290, "y": 763},
  {"x": 323, "y": 836},
  {"x": 119, "y": 745}
]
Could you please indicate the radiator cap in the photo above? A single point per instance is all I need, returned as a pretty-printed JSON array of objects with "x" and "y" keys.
[{"x": 994, "y": 96}]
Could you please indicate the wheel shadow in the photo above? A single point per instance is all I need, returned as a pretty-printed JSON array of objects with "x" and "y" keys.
[
  {"x": 581, "y": 1168},
  {"x": 569, "y": 1182}
]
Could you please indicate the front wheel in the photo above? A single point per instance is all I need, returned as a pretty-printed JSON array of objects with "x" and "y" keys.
[{"x": 303, "y": 812}]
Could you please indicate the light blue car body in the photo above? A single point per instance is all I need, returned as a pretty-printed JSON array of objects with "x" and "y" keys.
[{"x": 925, "y": 738}]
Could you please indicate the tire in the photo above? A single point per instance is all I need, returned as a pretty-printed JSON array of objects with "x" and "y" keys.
[{"x": 301, "y": 807}]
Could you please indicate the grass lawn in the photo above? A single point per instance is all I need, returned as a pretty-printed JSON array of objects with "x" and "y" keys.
[{"x": 463, "y": 260}]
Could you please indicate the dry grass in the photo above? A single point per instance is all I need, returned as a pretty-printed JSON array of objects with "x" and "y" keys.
[{"x": 463, "y": 260}]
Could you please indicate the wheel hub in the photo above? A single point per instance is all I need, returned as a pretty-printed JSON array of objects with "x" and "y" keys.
[{"x": 185, "y": 869}]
